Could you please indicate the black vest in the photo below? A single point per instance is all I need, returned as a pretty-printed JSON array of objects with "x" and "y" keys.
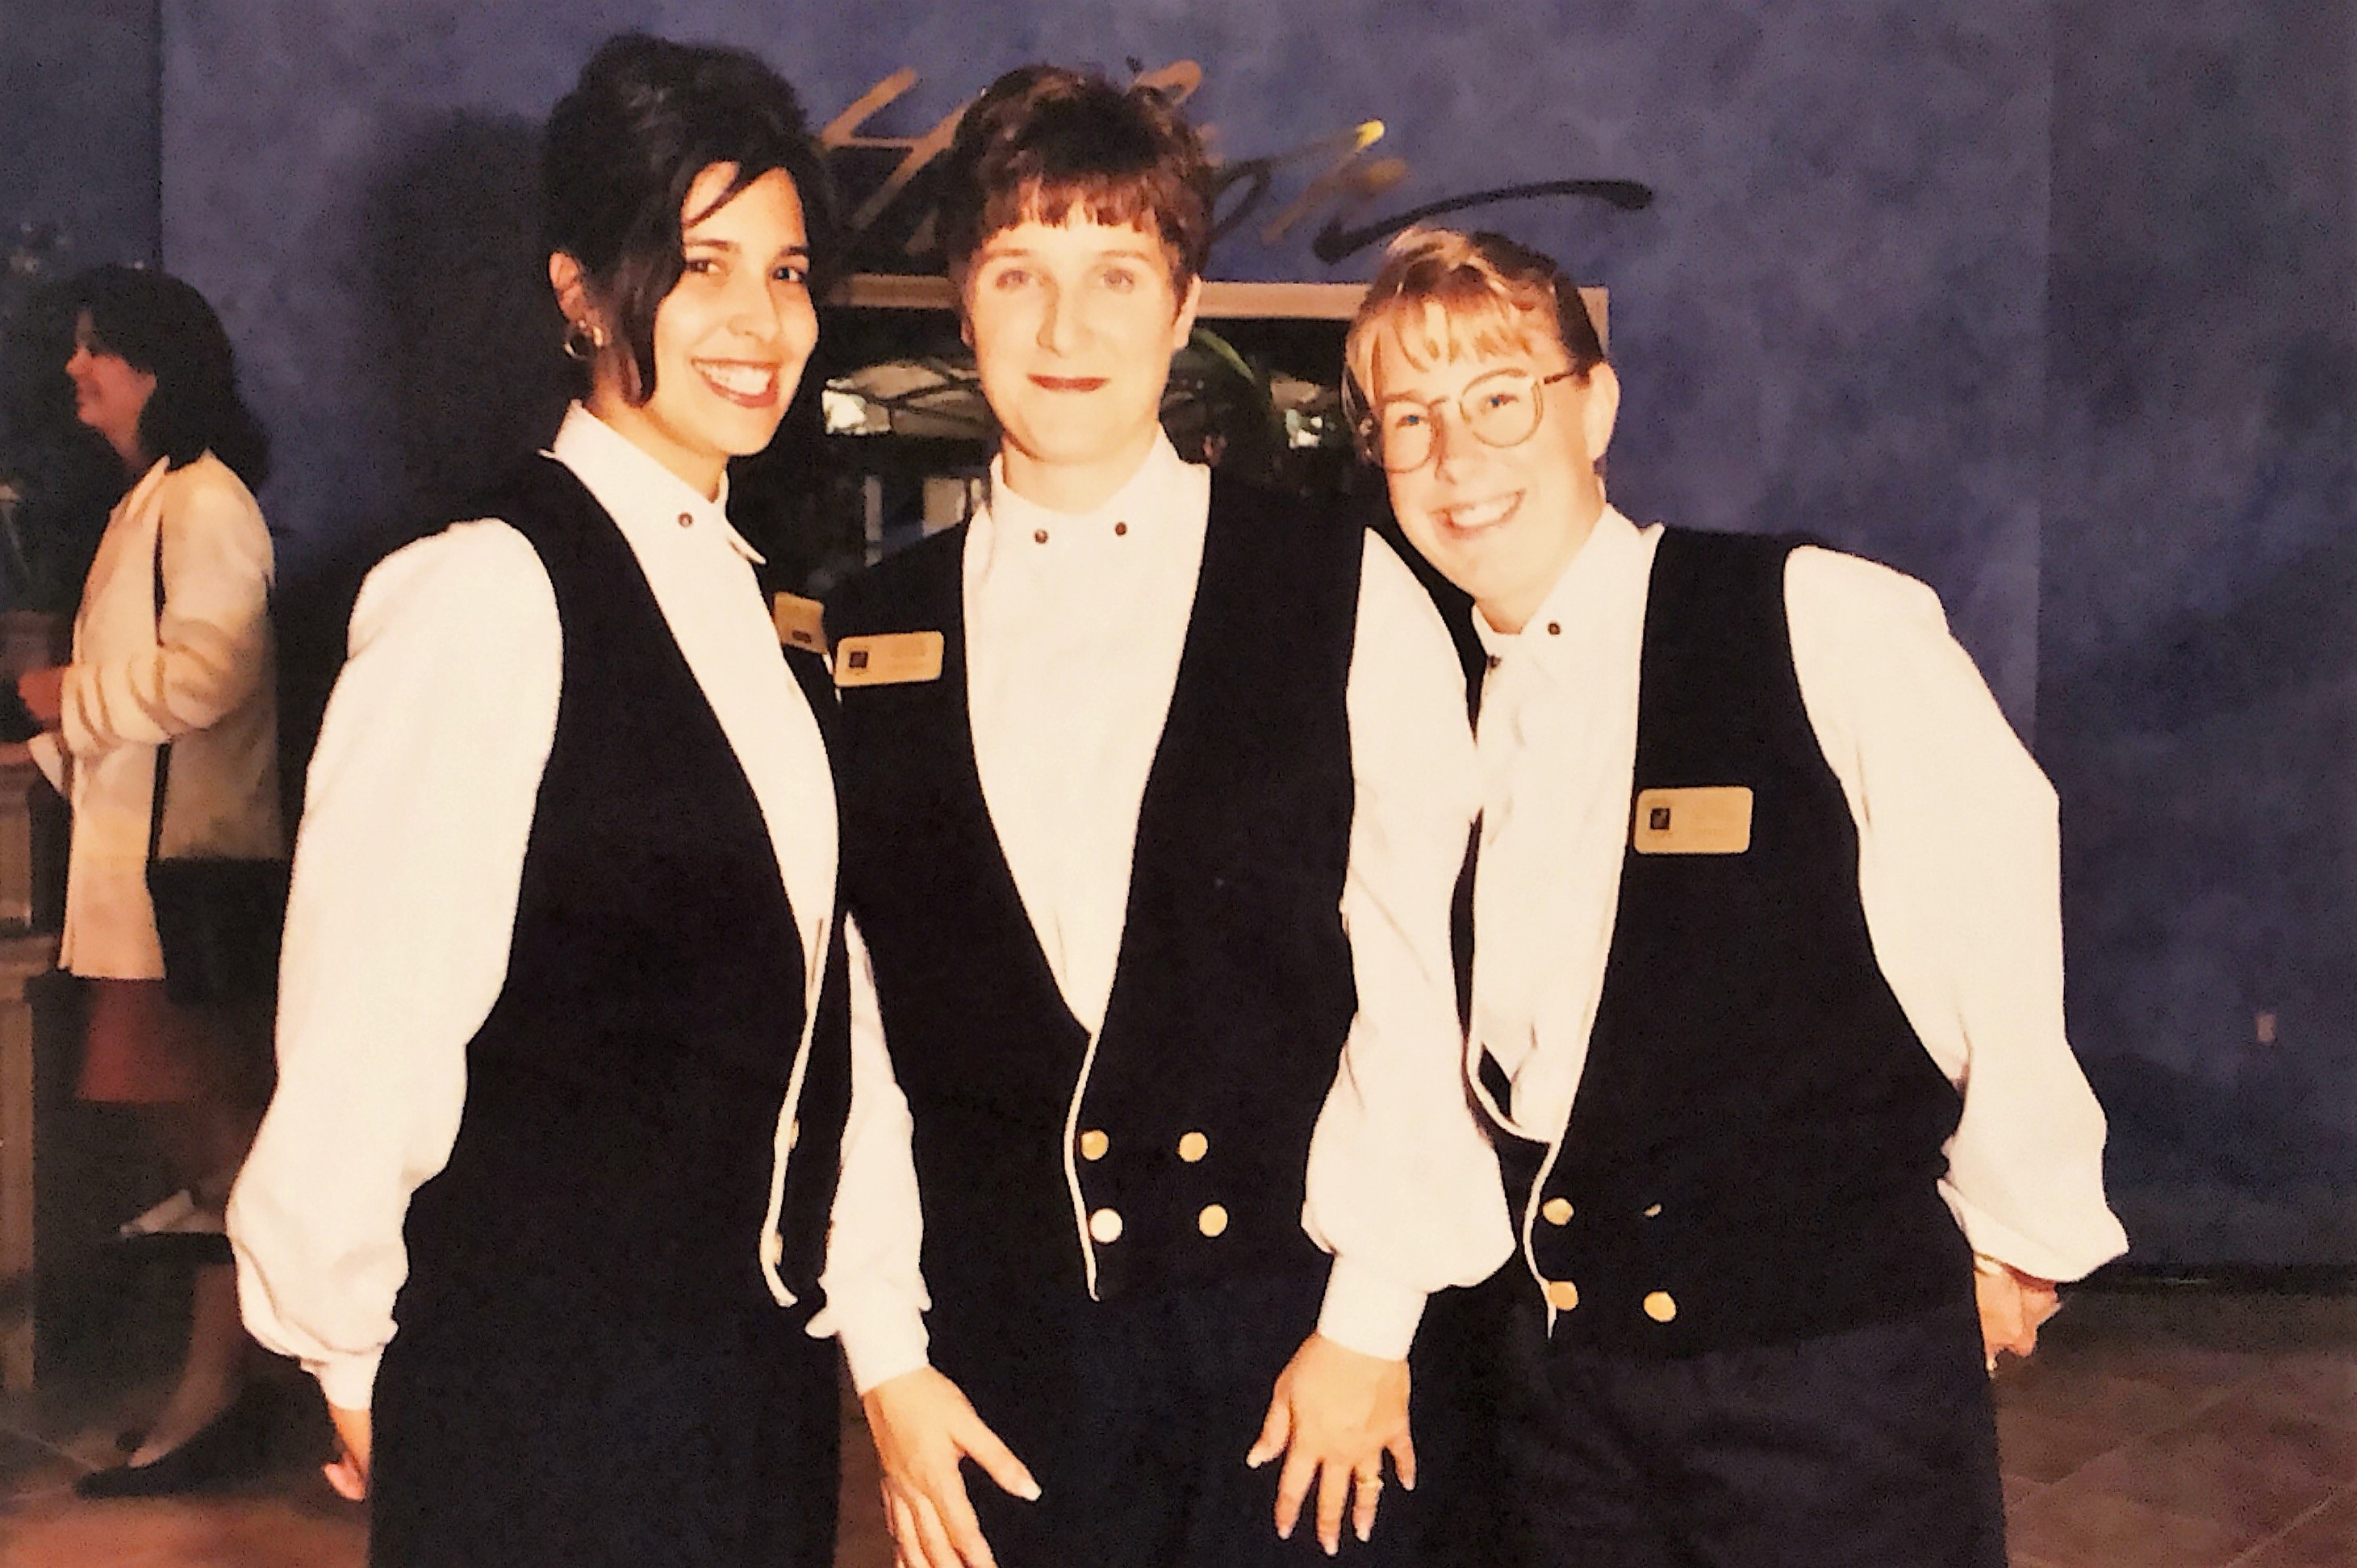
[
  {"x": 1233, "y": 993},
  {"x": 614, "y": 1157},
  {"x": 1754, "y": 1152}
]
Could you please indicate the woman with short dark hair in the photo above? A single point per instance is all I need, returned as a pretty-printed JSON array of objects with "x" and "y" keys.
[
  {"x": 171, "y": 650},
  {"x": 566, "y": 1077}
]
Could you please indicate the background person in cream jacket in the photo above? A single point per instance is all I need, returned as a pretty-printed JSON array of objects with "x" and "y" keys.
[{"x": 171, "y": 646}]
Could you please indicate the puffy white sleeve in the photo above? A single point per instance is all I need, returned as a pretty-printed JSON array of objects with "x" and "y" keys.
[
  {"x": 1402, "y": 1186},
  {"x": 874, "y": 1282},
  {"x": 213, "y": 645},
  {"x": 1960, "y": 873},
  {"x": 407, "y": 874}
]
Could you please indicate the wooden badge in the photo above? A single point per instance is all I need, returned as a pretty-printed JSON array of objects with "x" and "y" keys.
[
  {"x": 888, "y": 658},
  {"x": 1715, "y": 820},
  {"x": 799, "y": 622}
]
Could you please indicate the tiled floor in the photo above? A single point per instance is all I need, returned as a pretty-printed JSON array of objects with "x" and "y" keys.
[
  {"x": 2153, "y": 1431},
  {"x": 2176, "y": 1431}
]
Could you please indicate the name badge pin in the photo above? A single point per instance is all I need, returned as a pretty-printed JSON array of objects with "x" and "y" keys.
[
  {"x": 888, "y": 658},
  {"x": 1709, "y": 819}
]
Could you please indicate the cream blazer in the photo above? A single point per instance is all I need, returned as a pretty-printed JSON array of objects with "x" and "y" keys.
[{"x": 200, "y": 675}]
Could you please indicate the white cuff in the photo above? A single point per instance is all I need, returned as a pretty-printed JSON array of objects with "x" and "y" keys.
[
  {"x": 48, "y": 752},
  {"x": 879, "y": 1343},
  {"x": 348, "y": 1381},
  {"x": 2075, "y": 1258},
  {"x": 1368, "y": 1310}
]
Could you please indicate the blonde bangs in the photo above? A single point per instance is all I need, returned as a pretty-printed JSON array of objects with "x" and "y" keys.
[{"x": 1437, "y": 309}]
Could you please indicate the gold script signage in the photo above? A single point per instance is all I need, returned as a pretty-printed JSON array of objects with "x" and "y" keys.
[{"x": 892, "y": 228}]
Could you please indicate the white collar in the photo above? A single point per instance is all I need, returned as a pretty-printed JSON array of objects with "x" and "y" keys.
[
  {"x": 635, "y": 489},
  {"x": 1145, "y": 495},
  {"x": 1156, "y": 517},
  {"x": 1594, "y": 584},
  {"x": 147, "y": 482}
]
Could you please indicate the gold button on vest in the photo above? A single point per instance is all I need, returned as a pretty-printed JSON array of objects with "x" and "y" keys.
[
  {"x": 1193, "y": 1147},
  {"x": 1557, "y": 1211},
  {"x": 1661, "y": 1306},
  {"x": 1105, "y": 1225},
  {"x": 1562, "y": 1295},
  {"x": 1093, "y": 1145},
  {"x": 1212, "y": 1220}
]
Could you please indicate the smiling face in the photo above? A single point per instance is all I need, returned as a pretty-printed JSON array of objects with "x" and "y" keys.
[
  {"x": 1501, "y": 522},
  {"x": 1072, "y": 325},
  {"x": 110, "y": 394},
  {"x": 731, "y": 338}
]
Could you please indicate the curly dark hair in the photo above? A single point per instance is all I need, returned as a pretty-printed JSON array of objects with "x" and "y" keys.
[
  {"x": 163, "y": 327},
  {"x": 625, "y": 146}
]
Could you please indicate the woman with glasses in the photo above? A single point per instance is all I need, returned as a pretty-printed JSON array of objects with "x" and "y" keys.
[{"x": 1767, "y": 981}]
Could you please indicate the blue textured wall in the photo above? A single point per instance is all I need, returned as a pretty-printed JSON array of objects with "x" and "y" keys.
[
  {"x": 1831, "y": 320},
  {"x": 2198, "y": 674},
  {"x": 77, "y": 126},
  {"x": 2116, "y": 440}
]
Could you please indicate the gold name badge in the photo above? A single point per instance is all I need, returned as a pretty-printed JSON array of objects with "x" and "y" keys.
[
  {"x": 801, "y": 622},
  {"x": 888, "y": 658},
  {"x": 1716, "y": 819}
]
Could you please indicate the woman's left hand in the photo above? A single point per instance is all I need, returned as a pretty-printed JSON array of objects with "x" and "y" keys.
[
  {"x": 43, "y": 694},
  {"x": 347, "y": 1473},
  {"x": 2013, "y": 1305},
  {"x": 1334, "y": 1414}
]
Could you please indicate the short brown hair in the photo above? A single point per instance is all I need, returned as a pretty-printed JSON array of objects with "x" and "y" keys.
[
  {"x": 1043, "y": 142},
  {"x": 1495, "y": 294}
]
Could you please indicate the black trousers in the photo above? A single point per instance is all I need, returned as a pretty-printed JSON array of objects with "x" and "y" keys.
[
  {"x": 704, "y": 1445},
  {"x": 1134, "y": 1415},
  {"x": 1875, "y": 1447}
]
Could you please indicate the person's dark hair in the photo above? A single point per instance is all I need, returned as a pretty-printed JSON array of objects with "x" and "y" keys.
[
  {"x": 625, "y": 145},
  {"x": 1043, "y": 141},
  {"x": 162, "y": 326}
]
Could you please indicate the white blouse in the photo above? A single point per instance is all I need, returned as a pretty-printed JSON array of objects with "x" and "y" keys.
[
  {"x": 1959, "y": 870},
  {"x": 408, "y": 865},
  {"x": 1075, "y": 626}
]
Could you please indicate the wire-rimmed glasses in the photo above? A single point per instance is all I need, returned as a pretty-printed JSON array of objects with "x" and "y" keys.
[{"x": 1500, "y": 409}]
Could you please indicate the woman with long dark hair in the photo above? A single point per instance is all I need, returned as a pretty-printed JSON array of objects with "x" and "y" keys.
[
  {"x": 171, "y": 648},
  {"x": 564, "y": 1074}
]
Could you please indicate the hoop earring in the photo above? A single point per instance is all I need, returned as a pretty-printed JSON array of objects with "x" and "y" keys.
[{"x": 583, "y": 342}]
